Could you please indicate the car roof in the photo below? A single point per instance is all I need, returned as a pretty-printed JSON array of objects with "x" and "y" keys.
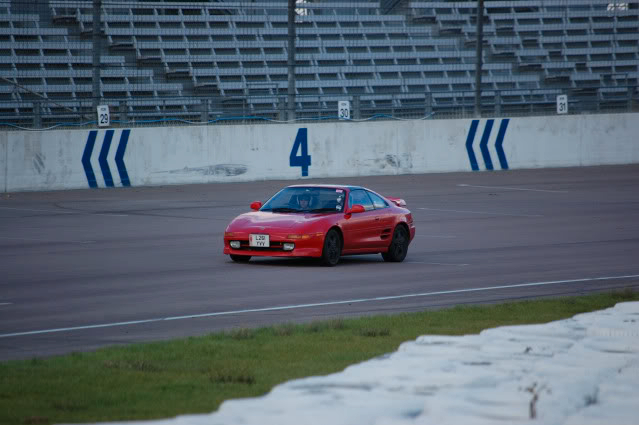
[{"x": 331, "y": 186}]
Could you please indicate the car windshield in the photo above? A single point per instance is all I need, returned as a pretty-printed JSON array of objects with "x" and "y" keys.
[{"x": 306, "y": 199}]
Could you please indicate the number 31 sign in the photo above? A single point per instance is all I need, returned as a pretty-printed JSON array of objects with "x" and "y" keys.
[
  {"x": 562, "y": 104},
  {"x": 104, "y": 118}
]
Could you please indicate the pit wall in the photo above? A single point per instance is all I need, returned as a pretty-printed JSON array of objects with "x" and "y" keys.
[{"x": 75, "y": 159}]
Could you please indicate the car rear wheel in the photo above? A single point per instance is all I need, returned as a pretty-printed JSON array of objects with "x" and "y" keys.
[
  {"x": 240, "y": 258},
  {"x": 332, "y": 248},
  {"x": 398, "y": 247}
]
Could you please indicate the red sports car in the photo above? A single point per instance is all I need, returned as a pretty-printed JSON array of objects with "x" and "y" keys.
[{"x": 322, "y": 221}]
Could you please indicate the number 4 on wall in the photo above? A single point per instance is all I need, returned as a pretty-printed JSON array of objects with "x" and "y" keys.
[{"x": 303, "y": 160}]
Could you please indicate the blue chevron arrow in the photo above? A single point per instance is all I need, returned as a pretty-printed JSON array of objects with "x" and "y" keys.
[
  {"x": 104, "y": 165},
  {"x": 119, "y": 158},
  {"x": 500, "y": 141},
  {"x": 484, "y": 144},
  {"x": 469, "y": 145},
  {"x": 86, "y": 159}
]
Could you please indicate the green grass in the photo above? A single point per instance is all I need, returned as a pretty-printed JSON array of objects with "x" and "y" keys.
[{"x": 195, "y": 375}]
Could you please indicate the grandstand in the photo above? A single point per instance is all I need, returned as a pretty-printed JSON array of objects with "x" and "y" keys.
[{"x": 198, "y": 61}]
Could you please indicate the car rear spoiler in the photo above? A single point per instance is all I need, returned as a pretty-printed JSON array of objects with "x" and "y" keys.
[{"x": 397, "y": 201}]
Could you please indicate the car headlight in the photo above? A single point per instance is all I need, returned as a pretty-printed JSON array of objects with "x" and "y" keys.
[
  {"x": 235, "y": 244},
  {"x": 288, "y": 246}
]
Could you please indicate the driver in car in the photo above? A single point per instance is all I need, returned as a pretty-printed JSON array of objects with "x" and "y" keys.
[{"x": 304, "y": 201}]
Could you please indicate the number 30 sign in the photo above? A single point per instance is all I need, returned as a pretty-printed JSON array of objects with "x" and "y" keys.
[
  {"x": 104, "y": 118},
  {"x": 344, "y": 110}
]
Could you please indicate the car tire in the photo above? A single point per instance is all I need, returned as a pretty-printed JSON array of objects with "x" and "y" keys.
[
  {"x": 398, "y": 247},
  {"x": 240, "y": 258},
  {"x": 332, "y": 248}
]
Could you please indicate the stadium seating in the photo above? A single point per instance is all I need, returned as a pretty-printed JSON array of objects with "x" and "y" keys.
[{"x": 198, "y": 61}]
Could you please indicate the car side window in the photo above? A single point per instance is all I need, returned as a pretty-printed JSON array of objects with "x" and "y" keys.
[
  {"x": 378, "y": 202},
  {"x": 360, "y": 197}
]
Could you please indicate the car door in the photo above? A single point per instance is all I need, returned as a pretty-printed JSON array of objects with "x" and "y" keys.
[
  {"x": 360, "y": 229},
  {"x": 384, "y": 219}
]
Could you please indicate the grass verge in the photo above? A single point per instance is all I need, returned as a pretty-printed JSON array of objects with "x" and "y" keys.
[{"x": 195, "y": 375}]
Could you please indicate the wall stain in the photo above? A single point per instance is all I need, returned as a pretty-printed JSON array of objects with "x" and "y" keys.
[
  {"x": 227, "y": 170},
  {"x": 230, "y": 169},
  {"x": 393, "y": 161},
  {"x": 38, "y": 162},
  {"x": 388, "y": 161}
]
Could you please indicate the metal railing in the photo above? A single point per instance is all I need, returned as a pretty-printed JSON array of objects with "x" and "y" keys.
[{"x": 39, "y": 113}]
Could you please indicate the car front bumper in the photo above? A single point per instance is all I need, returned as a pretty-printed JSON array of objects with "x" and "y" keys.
[{"x": 307, "y": 247}]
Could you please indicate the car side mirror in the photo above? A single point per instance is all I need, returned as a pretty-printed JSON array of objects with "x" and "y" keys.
[
  {"x": 256, "y": 205},
  {"x": 357, "y": 208}
]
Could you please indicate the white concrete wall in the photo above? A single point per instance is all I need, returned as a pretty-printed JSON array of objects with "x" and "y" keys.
[
  {"x": 573, "y": 140},
  {"x": 49, "y": 160}
]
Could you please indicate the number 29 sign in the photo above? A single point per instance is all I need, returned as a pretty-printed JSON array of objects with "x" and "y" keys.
[{"x": 104, "y": 118}]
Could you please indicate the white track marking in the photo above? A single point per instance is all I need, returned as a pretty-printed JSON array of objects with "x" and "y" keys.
[
  {"x": 322, "y": 304},
  {"x": 438, "y": 264},
  {"x": 6, "y": 303},
  {"x": 481, "y": 212},
  {"x": 513, "y": 188},
  {"x": 64, "y": 212}
]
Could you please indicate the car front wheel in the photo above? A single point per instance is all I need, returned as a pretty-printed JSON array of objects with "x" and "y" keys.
[
  {"x": 240, "y": 258},
  {"x": 398, "y": 247},
  {"x": 332, "y": 248}
]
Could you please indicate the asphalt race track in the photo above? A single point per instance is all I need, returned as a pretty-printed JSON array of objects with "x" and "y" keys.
[{"x": 88, "y": 268}]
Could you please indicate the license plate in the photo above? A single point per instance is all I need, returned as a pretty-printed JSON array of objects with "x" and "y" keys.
[{"x": 261, "y": 241}]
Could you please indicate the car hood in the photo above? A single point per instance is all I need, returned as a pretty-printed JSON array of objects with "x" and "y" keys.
[{"x": 273, "y": 221}]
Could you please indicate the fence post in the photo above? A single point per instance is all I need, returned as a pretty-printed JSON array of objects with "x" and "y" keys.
[
  {"x": 393, "y": 105},
  {"x": 37, "y": 114},
  {"x": 428, "y": 104},
  {"x": 357, "y": 111},
  {"x": 124, "y": 119},
  {"x": 216, "y": 108},
  {"x": 498, "y": 103},
  {"x": 244, "y": 107},
  {"x": 164, "y": 121},
  {"x": 204, "y": 117},
  {"x": 281, "y": 107}
]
